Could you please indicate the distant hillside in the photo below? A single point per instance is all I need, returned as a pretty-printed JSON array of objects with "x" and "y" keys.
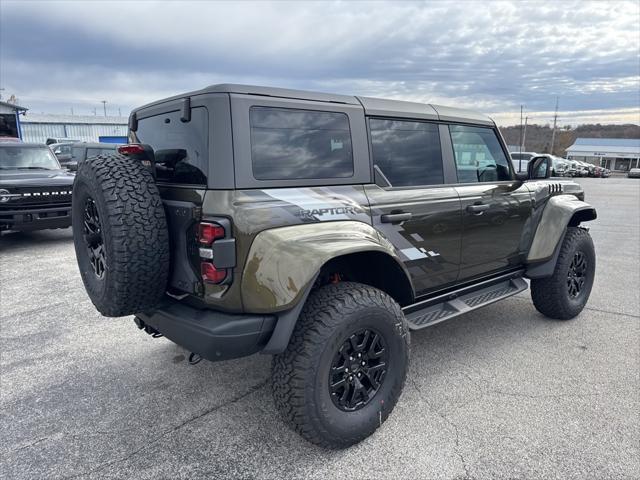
[{"x": 538, "y": 137}]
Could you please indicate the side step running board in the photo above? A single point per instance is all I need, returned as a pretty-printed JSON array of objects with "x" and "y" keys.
[{"x": 449, "y": 305}]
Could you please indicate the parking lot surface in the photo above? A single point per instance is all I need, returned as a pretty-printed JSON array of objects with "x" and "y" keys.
[{"x": 498, "y": 393}]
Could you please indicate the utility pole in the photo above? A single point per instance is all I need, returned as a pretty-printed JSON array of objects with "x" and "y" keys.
[
  {"x": 555, "y": 121},
  {"x": 524, "y": 135},
  {"x": 104, "y": 106},
  {"x": 520, "y": 129},
  {"x": 520, "y": 143},
  {"x": 119, "y": 112},
  {"x": 72, "y": 111}
]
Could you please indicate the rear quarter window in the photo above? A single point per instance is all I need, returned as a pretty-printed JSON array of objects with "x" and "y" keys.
[
  {"x": 180, "y": 148},
  {"x": 291, "y": 144}
]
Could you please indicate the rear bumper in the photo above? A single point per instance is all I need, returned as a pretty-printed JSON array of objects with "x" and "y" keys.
[
  {"x": 211, "y": 334},
  {"x": 36, "y": 218}
]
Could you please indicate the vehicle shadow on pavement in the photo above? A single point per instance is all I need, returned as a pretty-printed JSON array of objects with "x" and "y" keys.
[{"x": 15, "y": 241}]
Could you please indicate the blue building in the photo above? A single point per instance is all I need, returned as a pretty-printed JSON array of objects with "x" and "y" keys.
[{"x": 617, "y": 154}]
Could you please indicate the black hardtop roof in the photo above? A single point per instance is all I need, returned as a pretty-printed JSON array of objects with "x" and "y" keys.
[{"x": 372, "y": 106}]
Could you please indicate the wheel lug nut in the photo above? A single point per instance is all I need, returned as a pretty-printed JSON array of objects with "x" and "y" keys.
[
  {"x": 359, "y": 355},
  {"x": 359, "y": 374},
  {"x": 346, "y": 369},
  {"x": 350, "y": 377},
  {"x": 351, "y": 358},
  {"x": 364, "y": 363}
]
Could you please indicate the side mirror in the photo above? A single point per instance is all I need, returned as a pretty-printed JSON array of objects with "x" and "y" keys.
[
  {"x": 539, "y": 168},
  {"x": 522, "y": 176}
]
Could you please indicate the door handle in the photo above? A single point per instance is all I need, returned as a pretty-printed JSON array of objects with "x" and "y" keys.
[
  {"x": 395, "y": 217},
  {"x": 477, "y": 209}
]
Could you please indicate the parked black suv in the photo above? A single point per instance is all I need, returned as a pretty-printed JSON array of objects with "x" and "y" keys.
[
  {"x": 70, "y": 154},
  {"x": 321, "y": 229},
  {"x": 35, "y": 192}
]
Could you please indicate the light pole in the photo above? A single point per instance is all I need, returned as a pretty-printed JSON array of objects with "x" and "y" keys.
[{"x": 104, "y": 107}]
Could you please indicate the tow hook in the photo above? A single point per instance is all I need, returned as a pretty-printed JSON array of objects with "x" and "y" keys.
[{"x": 148, "y": 329}]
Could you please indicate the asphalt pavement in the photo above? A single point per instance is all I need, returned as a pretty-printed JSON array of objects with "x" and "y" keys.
[{"x": 498, "y": 393}]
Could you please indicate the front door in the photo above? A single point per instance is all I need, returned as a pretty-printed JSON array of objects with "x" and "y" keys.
[
  {"x": 414, "y": 210},
  {"x": 495, "y": 207}
]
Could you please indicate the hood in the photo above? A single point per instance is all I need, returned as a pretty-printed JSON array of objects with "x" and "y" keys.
[{"x": 35, "y": 178}]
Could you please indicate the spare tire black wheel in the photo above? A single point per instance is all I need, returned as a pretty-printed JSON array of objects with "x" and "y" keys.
[{"x": 120, "y": 235}]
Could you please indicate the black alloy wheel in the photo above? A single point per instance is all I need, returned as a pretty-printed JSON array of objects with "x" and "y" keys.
[
  {"x": 93, "y": 238},
  {"x": 576, "y": 275},
  {"x": 564, "y": 294},
  {"x": 358, "y": 370}
]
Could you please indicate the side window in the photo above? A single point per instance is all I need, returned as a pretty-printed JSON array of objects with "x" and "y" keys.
[
  {"x": 290, "y": 144},
  {"x": 408, "y": 153},
  {"x": 180, "y": 148},
  {"x": 478, "y": 154},
  {"x": 76, "y": 153},
  {"x": 92, "y": 152}
]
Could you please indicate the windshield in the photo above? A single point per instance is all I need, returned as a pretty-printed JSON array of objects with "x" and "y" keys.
[{"x": 27, "y": 158}]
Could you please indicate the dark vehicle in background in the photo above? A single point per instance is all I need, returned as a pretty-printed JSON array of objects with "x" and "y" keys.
[
  {"x": 70, "y": 154},
  {"x": 62, "y": 151},
  {"x": 601, "y": 172},
  {"x": 35, "y": 192}
]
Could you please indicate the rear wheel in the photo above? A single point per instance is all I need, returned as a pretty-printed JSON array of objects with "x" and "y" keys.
[
  {"x": 345, "y": 366},
  {"x": 564, "y": 294},
  {"x": 120, "y": 235}
]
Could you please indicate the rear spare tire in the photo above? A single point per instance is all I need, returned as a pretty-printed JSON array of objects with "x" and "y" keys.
[{"x": 120, "y": 235}]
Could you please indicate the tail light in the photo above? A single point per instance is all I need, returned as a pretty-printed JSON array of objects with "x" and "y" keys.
[
  {"x": 131, "y": 149},
  {"x": 211, "y": 274},
  {"x": 209, "y": 232},
  {"x": 217, "y": 253}
]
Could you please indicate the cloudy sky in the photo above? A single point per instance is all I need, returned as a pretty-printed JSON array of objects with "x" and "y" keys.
[{"x": 493, "y": 57}]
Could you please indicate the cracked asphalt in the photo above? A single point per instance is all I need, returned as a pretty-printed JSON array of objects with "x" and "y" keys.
[{"x": 498, "y": 393}]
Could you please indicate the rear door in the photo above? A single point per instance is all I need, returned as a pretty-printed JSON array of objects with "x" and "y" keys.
[
  {"x": 495, "y": 207},
  {"x": 411, "y": 206}
]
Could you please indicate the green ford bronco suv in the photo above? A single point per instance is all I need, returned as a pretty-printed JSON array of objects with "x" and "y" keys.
[{"x": 321, "y": 229}]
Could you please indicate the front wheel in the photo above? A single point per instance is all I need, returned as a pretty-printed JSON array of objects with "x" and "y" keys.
[
  {"x": 564, "y": 294},
  {"x": 345, "y": 366}
]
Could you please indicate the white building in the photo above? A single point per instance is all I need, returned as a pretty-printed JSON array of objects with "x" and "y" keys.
[
  {"x": 618, "y": 154},
  {"x": 86, "y": 128}
]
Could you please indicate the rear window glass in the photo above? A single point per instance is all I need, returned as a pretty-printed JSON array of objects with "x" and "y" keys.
[
  {"x": 289, "y": 144},
  {"x": 180, "y": 148}
]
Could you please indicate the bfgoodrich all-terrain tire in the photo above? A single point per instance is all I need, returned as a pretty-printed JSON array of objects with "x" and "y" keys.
[
  {"x": 120, "y": 235},
  {"x": 345, "y": 366},
  {"x": 564, "y": 294}
]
